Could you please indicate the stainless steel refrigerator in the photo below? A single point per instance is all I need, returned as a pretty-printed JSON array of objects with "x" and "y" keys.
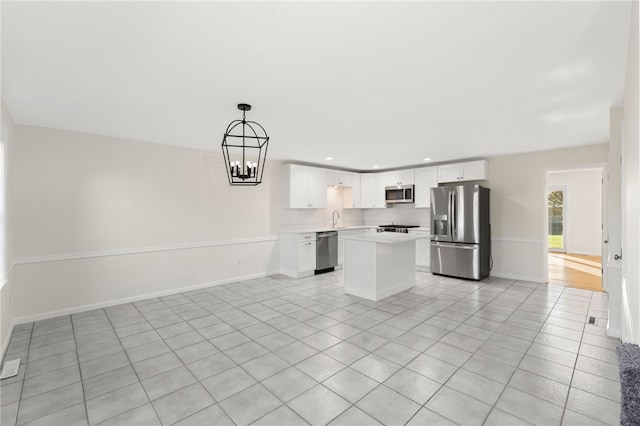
[{"x": 460, "y": 231}]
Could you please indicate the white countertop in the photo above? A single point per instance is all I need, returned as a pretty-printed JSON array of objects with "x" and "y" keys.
[
  {"x": 318, "y": 228},
  {"x": 302, "y": 229},
  {"x": 386, "y": 237}
]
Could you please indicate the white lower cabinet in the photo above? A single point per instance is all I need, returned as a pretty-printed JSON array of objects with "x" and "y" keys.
[
  {"x": 423, "y": 254},
  {"x": 297, "y": 254}
]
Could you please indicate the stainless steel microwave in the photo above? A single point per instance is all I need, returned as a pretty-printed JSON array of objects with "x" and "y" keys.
[{"x": 399, "y": 194}]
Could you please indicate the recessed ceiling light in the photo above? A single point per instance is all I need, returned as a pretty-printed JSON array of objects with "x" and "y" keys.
[
  {"x": 427, "y": 159},
  {"x": 375, "y": 166},
  {"x": 329, "y": 158}
]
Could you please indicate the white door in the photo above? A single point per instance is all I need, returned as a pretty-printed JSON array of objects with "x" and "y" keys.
[{"x": 605, "y": 231}]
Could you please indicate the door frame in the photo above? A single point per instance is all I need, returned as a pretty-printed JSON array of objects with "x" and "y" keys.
[{"x": 545, "y": 214}]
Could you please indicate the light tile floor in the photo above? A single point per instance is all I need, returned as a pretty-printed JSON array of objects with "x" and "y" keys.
[{"x": 277, "y": 351}]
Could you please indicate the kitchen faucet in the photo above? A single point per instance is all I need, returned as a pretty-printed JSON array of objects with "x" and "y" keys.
[{"x": 333, "y": 217}]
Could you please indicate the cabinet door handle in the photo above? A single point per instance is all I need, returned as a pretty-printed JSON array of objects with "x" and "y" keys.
[
  {"x": 307, "y": 244},
  {"x": 308, "y": 236}
]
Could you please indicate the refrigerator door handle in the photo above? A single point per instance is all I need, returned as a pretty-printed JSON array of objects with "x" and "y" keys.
[
  {"x": 454, "y": 216},
  {"x": 449, "y": 217}
]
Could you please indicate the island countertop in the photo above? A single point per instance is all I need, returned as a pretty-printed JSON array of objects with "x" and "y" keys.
[{"x": 386, "y": 237}]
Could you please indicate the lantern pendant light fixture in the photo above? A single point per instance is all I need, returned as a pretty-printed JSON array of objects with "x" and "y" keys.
[{"x": 244, "y": 147}]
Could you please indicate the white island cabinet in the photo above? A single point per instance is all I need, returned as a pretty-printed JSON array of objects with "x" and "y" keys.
[
  {"x": 379, "y": 265},
  {"x": 423, "y": 249}
]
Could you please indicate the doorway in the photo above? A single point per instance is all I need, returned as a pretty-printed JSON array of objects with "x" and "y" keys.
[{"x": 574, "y": 228}]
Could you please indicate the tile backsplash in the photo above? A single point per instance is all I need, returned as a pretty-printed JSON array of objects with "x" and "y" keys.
[{"x": 398, "y": 214}]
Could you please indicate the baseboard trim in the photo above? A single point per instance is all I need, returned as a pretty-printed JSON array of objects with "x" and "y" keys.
[
  {"x": 517, "y": 277},
  {"x": 101, "y": 305},
  {"x": 612, "y": 332},
  {"x": 138, "y": 250},
  {"x": 517, "y": 240}
]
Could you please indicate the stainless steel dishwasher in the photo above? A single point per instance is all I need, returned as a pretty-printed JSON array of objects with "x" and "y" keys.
[{"x": 326, "y": 251}]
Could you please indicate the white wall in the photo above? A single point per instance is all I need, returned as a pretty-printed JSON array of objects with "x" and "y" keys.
[
  {"x": 613, "y": 179},
  {"x": 99, "y": 219},
  {"x": 583, "y": 209},
  {"x": 631, "y": 187},
  {"x": 518, "y": 200}
]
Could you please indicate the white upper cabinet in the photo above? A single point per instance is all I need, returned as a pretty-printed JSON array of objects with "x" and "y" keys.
[
  {"x": 339, "y": 178},
  {"x": 458, "y": 172},
  {"x": 317, "y": 188},
  {"x": 372, "y": 195},
  {"x": 426, "y": 178},
  {"x": 304, "y": 187},
  {"x": 400, "y": 177},
  {"x": 351, "y": 194}
]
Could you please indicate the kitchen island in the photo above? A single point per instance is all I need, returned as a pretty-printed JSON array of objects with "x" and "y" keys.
[{"x": 379, "y": 265}]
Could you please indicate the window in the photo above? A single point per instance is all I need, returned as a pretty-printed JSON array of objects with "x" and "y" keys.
[{"x": 556, "y": 207}]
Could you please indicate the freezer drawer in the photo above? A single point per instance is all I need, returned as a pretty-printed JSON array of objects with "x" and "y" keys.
[{"x": 458, "y": 260}]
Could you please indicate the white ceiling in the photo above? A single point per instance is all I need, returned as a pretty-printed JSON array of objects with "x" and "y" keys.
[{"x": 386, "y": 83}]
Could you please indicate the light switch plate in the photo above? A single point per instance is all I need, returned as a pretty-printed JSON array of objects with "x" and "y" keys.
[{"x": 10, "y": 368}]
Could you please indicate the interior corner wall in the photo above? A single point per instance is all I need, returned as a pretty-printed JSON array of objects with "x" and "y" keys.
[
  {"x": 6, "y": 305},
  {"x": 99, "y": 220},
  {"x": 518, "y": 191},
  {"x": 583, "y": 209},
  {"x": 631, "y": 183}
]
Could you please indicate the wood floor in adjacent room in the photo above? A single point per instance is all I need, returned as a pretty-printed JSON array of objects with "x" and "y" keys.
[{"x": 577, "y": 271}]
